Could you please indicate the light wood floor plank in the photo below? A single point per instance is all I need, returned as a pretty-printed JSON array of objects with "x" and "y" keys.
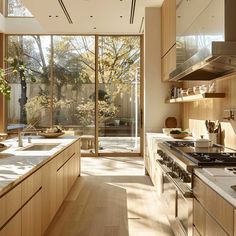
[{"x": 113, "y": 197}]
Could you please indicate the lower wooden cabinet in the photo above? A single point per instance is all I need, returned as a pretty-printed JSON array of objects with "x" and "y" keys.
[
  {"x": 49, "y": 205},
  {"x": 13, "y": 227},
  {"x": 204, "y": 223},
  {"x": 212, "y": 214},
  {"x": 216, "y": 206},
  {"x": 28, "y": 209},
  {"x": 31, "y": 216}
]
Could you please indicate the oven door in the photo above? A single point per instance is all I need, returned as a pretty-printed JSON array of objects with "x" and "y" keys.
[
  {"x": 183, "y": 221},
  {"x": 166, "y": 191},
  {"x": 184, "y": 213}
]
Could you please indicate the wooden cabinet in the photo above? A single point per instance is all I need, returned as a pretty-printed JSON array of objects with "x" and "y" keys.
[
  {"x": 205, "y": 224},
  {"x": 10, "y": 203},
  {"x": 212, "y": 214},
  {"x": 168, "y": 38},
  {"x": 13, "y": 227},
  {"x": 168, "y": 64},
  {"x": 31, "y": 216},
  {"x": 29, "y": 207},
  {"x": 168, "y": 25},
  {"x": 49, "y": 204}
]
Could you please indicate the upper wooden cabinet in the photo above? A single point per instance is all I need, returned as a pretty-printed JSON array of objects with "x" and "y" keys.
[{"x": 168, "y": 25}]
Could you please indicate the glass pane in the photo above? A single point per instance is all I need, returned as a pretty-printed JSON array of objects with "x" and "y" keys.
[
  {"x": 119, "y": 94},
  {"x": 16, "y": 8},
  {"x": 74, "y": 86},
  {"x": 30, "y": 101}
]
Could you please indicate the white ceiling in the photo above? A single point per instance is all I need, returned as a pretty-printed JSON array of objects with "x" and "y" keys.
[{"x": 106, "y": 15}]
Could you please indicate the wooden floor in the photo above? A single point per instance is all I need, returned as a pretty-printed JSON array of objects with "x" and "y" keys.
[{"x": 112, "y": 197}]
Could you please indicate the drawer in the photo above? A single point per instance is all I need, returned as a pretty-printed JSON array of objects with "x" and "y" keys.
[
  {"x": 31, "y": 185},
  {"x": 69, "y": 152},
  {"x": 214, "y": 204},
  {"x": 10, "y": 203},
  {"x": 204, "y": 223}
]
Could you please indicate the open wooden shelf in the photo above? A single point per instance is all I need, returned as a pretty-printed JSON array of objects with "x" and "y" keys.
[{"x": 196, "y": 97}]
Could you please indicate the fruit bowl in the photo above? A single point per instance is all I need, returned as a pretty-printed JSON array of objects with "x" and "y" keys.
[
  {"x": 179, "y": 136},
  {"x": 51, "y": 135},
  {"x": 3, "y": 147}
]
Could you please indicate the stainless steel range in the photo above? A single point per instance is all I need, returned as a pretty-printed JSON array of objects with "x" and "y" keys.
[{"x": 176, "y": 161}]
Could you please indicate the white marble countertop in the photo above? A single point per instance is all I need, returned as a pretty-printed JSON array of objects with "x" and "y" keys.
[
  {"x": 220, "y": 181},
  {"x": 16, "y": 164}
]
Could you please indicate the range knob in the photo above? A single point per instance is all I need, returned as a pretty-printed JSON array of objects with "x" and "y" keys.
[
  {"x": 186, "y": 178},
  {"x": 169, "y": 163},
  {"x": 160, "y": 152}
]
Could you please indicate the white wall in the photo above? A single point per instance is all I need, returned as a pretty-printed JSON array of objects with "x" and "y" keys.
[
  {"x": 2, "y": 23},
  {"x": 156, "y": 110},
  {"x": 21, "y": 25}
]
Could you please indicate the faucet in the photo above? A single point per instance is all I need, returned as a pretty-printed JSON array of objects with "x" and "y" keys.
[{"x": 30, "y": 129}]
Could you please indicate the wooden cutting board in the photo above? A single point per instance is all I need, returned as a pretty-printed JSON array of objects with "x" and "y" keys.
[{"x": 171, "y": 122}]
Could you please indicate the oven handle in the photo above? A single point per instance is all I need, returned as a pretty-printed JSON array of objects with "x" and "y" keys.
[
  {"x": 185, "y": 193},
  {"x": 163, "y": 169}
]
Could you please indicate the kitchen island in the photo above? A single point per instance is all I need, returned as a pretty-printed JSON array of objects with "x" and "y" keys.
[{"x": 34, "y": 181}]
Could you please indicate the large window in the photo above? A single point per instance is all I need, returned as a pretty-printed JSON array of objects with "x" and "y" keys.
[
  {"x": 100, "y": 102},
  {"x": 17, "y": 9}
]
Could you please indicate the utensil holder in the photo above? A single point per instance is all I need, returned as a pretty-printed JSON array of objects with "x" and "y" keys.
[{"x": 213, "y": 137}]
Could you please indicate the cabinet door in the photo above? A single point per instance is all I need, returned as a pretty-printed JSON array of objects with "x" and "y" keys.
[
  {"x": 60, "y": 193},
  {"x": 13, "y": 227},
  {"x": 168, "y": 64},
  {"x": 168, "y": 25},
  {"x": 209, "y": 199},
  {"x": 204, "y": 223},
  {"x": 10, "y": 203},
  {"x": 49, "y": 194},
  {"x": 31, "y": 216}
]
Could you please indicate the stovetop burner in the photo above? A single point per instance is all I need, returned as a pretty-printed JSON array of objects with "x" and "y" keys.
[
  {"x": 213, "y": 157},
  {"x": 216, "y": 155}
]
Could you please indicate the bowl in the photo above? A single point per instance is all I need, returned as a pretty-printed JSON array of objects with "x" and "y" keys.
[
  {"x": 3, "y": 148},
  {"x": 51, "y": 135},
  {"x": 166, "y": 131},
  {"x": 179, "y": 136}
]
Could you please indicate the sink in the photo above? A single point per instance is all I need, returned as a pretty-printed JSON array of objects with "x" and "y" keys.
[{"x": 40, "y": 147}]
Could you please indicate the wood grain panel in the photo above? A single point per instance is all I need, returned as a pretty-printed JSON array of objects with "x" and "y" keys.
[
  {"x": 10, "y": 203},
  {"x": 31, "y": 185},
  {"x": 195, "y": 113},
  {"x": 13, "y": 227},
  {"x": 168, "y": 64},
  {"x": 209, "y": 199},
  {"x": 31, "y": 217},
  {"x": 168, "y": 25}
]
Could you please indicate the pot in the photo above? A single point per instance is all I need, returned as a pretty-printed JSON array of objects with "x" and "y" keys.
[{"x": 202, "y": 142}]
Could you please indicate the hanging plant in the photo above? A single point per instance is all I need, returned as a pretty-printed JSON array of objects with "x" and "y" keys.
[{"x": 16, "y": 68}]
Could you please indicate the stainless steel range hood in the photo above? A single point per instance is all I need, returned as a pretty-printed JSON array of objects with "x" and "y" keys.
[{"x": 206, "y": 39}]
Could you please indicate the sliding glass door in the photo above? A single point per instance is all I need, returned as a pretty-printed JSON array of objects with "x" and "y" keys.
[{"x": 119, "y": 94}]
